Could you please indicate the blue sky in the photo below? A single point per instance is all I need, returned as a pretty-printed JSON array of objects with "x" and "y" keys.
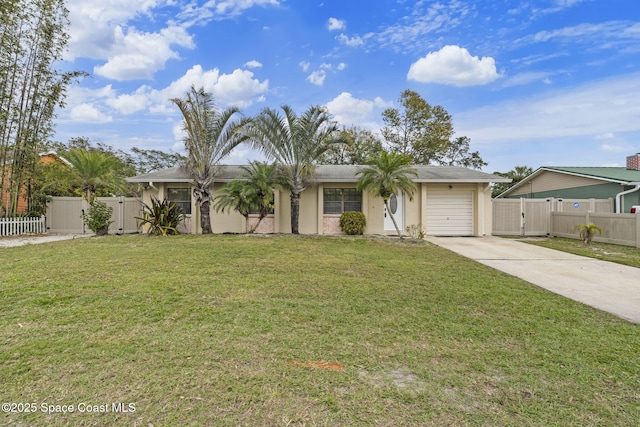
[{"x": 535, "y": 83}]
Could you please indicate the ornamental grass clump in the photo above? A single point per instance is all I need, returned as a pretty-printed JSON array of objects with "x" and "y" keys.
[{"x": 353, "y": 223}]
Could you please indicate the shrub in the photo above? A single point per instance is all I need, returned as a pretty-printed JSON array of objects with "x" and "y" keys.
[
  {"x": 353, "y": 222},
  {"x": 416, "y": 231},
  {"x": 98, "y": 217},
  {"x": 162, "y": 217}
]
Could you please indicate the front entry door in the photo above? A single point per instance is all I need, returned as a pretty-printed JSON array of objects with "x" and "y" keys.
[{"x": 396, "y": 206}]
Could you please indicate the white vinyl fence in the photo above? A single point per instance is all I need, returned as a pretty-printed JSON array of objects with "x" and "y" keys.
[
  {"x": 559, "y": 217},
  {"x": 22, "y": 225},
  {"x": 532, "y": 217},
  {"x": 64, "y": 214}
]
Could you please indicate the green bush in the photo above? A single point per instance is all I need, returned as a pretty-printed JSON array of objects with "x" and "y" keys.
[
  {"x": 98, "y": 217},
  {"x": 353, "y": 222}
]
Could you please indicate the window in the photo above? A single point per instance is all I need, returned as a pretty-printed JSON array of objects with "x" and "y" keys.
[
  {"x": 181, "y": 197},
  {"x": 338, "y": 200}
]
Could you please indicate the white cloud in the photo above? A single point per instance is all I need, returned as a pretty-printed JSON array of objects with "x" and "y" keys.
[
  {"x": 317, "y": 77},
  {"x": 341, "y": 66},
  {"x": 138, "y": 55},
  {"x": 348, "y": 110},
  {"x": 336, "y": 24},
  {"x": 597, "y": 108},
  {"x": 350, "y": 41},
  {"x": 453, "y": 65},
  {"x": 415, "y": 31},
  {"x": 87, "y": 113},
  {"x": 526, "y": 78},
  {"x": 606, "y": 135},
  {"x": 253, "y": 64},
  {"x": 304, "y": 65},
  {"x": 238, "y": 88},
  {"x": 129, "y": 104}
]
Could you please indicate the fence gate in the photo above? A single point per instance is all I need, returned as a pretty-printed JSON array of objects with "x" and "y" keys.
[
  {"x": 64, "y": 214},
  {"x": 533, "y": 217},
  {"x": 522, "y": 217}
]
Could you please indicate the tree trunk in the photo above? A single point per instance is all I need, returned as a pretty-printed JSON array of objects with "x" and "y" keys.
[
  {"x": 203, "y": 198},
  {"x": 393, "y": 219},
  {"x": 295, "y": 212}
]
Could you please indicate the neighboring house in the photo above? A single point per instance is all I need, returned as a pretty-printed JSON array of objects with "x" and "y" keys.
[
  {"x": 448, "y": 201},
  {"x": 622, "y": 184},
  {"x": 23, "y": 203}
]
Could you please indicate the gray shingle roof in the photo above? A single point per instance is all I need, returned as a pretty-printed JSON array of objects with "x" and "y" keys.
[{"x": 333, "y": 173}]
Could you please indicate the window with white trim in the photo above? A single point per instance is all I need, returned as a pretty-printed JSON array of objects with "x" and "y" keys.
[{"x": 339, "y": 200}]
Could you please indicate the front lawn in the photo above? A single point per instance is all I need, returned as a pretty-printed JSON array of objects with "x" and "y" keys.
[
  {"x": 290, "y": 331},
  {"x": 626, "y": 255}
]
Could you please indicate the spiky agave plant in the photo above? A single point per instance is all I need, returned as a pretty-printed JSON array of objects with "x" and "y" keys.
[{"x": 161, "y": 218}]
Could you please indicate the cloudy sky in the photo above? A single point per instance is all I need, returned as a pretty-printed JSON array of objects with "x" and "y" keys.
[{"x": 535, "y": 83}]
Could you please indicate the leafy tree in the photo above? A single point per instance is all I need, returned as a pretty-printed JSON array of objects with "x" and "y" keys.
[
  {"x": 211, "y": 135},
  {"x": 33, "y": 36},
  {"x": 91, "y": 171},
  {"x": 388, "y": 174},
  {"x": 295, "y": 143},
  {"x": 457, "y": 154},
  {"x": 425, "y": 133},
  {"x": 146, "y": 161},
  {"x": 359, "y": 145},
  {"x": 419, "y": 130},
  {"x": 516, "y": 174}
]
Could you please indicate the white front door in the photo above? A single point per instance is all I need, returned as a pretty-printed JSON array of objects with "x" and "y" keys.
[{"x": 396, "y": 206}]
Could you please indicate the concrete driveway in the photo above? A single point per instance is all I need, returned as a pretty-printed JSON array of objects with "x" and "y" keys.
[{"x": 604, "y": 285}]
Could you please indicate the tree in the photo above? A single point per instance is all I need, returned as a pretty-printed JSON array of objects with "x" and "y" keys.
[
  {"x": 93, "y": 170},
  {"x": 146, "y": 161},
  {"x": 295, "y": 143},
  {"x": 516, "y": 174},
  {"x": 32, "y": 40},
  {"x": 388, "y": 174},
  {"x": 587, "y": 232},
  {"x": 419, "y": 130},
  {"x": 358, "y": 147},
  {"x": 457, "y": 154},
  {"x": 425, "y": 133},
  {"x": 211, "y": 134}
]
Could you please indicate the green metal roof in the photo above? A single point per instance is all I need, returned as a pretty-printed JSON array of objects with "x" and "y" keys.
[{"x": 618, "y": 174}]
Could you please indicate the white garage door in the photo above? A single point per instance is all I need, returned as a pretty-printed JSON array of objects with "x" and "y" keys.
[{"x": 450, "y": 213}]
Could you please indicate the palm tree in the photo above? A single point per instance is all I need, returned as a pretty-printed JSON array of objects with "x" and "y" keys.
[
  {"x": 91, "y": 170},
  {"x": 516, "y": 174},
  {"x": 253, "y": 192},
  {"x": 587, "y": 232},
  {"x": 388, "y": 174},
  {"x": 211, "y": 134},
  {"x": 295, "y": 143}
]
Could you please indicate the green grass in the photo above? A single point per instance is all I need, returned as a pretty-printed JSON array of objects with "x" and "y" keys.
[
  {"x": 614, "y": 253},
  {"x": 216, "y": 331}
]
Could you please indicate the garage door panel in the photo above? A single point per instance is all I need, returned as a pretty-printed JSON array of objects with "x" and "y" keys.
[{"x": 450, "y": 213}]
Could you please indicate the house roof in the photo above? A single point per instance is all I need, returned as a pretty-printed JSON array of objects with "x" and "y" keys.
[
  {"x": 618, "y": 175},
  {"x": 332, "y": 173}
]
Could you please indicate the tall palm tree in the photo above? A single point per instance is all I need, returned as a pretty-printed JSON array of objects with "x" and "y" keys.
[
  {"x": 211, "y": 134},
  {"x": 388, "y": 174},
  {"x": 91, "y": 170},
  {"x": 295, "y": 143},
  {"x": 253, "y": 192}
]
